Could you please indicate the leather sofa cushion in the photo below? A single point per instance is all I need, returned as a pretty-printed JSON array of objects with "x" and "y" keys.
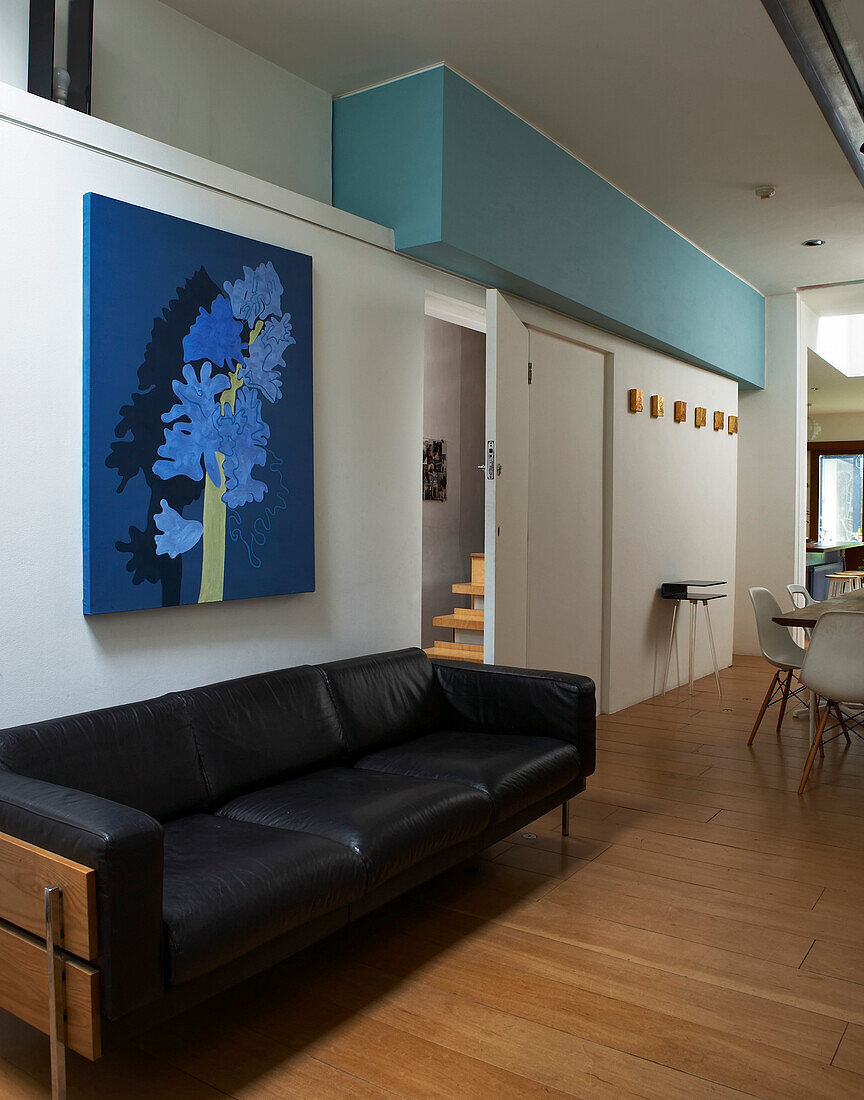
[
  {"x": 140, "y": 754},
  {"x": 230, "y": 886},
  {"x": 498, "y": 699},
  {"x": 390, "y": 821},
  {"x": 256, "y": 730},
  {"x": 386, "y": 698},
  {"x": 514, "y": 770}
]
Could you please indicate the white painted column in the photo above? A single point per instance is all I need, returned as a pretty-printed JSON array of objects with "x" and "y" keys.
[{"x": 771, "y": 475}]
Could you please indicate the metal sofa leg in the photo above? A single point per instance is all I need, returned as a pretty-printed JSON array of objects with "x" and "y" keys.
[
  {"x": 56, "y": 990},
  {"x": 565, "y": 818}
]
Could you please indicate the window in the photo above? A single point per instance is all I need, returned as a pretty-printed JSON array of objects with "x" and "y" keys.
[
  {"x": 841, "y": 481},
  {"x": 836, "y": 492}
]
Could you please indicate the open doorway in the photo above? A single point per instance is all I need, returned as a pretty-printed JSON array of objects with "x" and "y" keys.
[
  {"x": 453, "y": 458},
  {"x": 835, "y": 435}
]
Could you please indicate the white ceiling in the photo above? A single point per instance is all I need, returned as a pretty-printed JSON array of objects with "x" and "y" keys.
[
  {"x": 835, "y": 301},
  {"x": 685, "y": 106},
  {"x": 829, "y": 391}
]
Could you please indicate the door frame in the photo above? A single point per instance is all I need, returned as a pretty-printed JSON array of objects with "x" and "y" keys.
[
  {"x": 471, "y": 316},
  {"x": 606, "y": 492},
  {"x": 444, "y": 308},
  {"x": 464, "y": 314}
]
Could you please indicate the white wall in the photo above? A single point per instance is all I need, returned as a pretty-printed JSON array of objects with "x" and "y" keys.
[
  {"x": 674, "y": 490},
  {"x": 771, "y": 475},
  {"x": 368, "y": 364},
  {"x": 671, "y": 511},
  {"x": 838, "y": 427},
  {"x": 670, "y": 502},
  {"x": 14, "y": 37},
  {"x": 157, "y": 73}
]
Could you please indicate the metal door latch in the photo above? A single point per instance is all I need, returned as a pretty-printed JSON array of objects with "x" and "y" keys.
[{"x": 490, "y": 460}]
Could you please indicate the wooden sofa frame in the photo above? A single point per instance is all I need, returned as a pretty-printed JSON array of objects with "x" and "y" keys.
[{"x": 48, "y": 938}]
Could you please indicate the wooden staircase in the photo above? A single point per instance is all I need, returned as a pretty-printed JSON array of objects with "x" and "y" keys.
[{"x": 464, "y": 620}]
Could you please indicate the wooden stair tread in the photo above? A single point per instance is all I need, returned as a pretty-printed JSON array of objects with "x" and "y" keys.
[
  {"x": 459, "y": 621},
  {"x": 469, "y": 612},
  {"x": 463, "y": 618},
  {"x": 454, "y": 651}
]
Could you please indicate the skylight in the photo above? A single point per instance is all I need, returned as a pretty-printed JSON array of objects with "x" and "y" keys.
[{"x": 840, "y": 341}]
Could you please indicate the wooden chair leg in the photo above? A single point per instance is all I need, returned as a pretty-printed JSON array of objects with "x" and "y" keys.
[
  {"x": 838, "y": 711},
  {"x": 817, "y": 744},
  {"x": 785, "y": 699},
  {"x": 764, "y": 706}
]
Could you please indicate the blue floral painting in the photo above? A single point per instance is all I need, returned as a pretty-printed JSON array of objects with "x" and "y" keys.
[{"x": 197, "y": 413}]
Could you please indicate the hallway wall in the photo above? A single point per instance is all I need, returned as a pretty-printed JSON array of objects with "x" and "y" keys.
[
  {"x": 368, "y": 349},
  {"x": 670, "y": 494}
]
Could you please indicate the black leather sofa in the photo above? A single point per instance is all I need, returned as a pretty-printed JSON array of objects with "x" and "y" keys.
[{"x": 234, "y": 824}]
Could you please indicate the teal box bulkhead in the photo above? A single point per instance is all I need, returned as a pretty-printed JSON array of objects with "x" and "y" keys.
[{"x": 469, "y": 186}]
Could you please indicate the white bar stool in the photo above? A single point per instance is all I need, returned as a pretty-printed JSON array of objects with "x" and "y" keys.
[{"x": 848, "y": 580}]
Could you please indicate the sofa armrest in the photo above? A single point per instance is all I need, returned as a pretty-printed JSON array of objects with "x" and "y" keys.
[
  {"x": 124, "y": 846},
  {"x": 523, "y": 700}
]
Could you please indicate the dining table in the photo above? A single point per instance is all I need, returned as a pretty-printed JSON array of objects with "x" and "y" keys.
[{"x": 810, "y": 615}]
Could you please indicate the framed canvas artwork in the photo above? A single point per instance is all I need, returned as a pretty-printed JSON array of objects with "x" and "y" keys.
[
  {"x": 197, "y": 413},
  {"x": 435, "y": 470}
]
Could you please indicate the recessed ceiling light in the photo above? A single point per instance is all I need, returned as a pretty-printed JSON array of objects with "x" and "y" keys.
[{"x": 814, "y": 242}]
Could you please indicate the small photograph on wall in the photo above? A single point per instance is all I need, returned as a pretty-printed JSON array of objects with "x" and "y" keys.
[
  {"x": 197, "y": 413},
  {"x": 434, "y": 469}
]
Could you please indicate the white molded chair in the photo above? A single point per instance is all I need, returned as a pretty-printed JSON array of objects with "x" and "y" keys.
[
  {"x": 778, "y": 647},
  {"x": 833, "y": 668},
  {"x": 799, "y": 590}
]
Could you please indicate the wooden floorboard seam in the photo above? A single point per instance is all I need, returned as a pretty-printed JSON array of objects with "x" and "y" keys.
[{"x": 839, "y": 1043}]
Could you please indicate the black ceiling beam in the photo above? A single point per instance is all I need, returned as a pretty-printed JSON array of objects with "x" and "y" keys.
[
  {"x": 40, "y": 58},
  {"x": 838, "y": 50},
  {"x": 79, "y": 54},
  {"x": 824, "y": 55}
]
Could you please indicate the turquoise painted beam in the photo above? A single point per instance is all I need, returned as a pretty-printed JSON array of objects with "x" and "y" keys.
[{"x": 467, "y": 185}]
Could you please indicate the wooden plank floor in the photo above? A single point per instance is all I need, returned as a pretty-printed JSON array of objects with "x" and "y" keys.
[{"x": 699, "y": 935}]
